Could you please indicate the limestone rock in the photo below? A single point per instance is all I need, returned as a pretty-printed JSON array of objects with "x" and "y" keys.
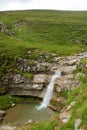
[
  {"x": 68, "y": 69},
  {"x": 65, "y": 116},
  {"x": 5, "y": 127},
  {"x": 77, "y": 124},
  {"x": 71, "y": 62},
  {"x": 29, "y": 121},
  {"x": 40, "y": 78},
  {"x": 17, "y": 79},
  {"x": 67, "y": 82}
]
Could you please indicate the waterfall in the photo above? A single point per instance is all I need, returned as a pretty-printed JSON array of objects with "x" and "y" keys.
[{"x": 48, "y": 94}]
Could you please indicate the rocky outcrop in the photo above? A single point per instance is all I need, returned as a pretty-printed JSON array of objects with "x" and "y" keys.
[
  {"x": 21, "y": 85},
  {"x": 4, "y": 29},
  {"x": 31, "y": 77}
]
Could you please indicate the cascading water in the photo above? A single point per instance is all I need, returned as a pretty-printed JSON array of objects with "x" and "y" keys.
[{"x": 48, "y": 94}]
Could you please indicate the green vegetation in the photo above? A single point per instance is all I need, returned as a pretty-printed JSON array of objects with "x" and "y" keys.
[
  {"x": 79, "y": 110},
  {"x": 55, "y": 31},
  {"x": 47, "y": 125},
  {"x": 60, "y": 32},
  {"x": 6, "y": 101},
  {"x": 28, "y": 75}
]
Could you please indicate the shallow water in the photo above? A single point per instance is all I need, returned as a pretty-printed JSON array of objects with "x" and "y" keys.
[{"x": 21, "y": 113}]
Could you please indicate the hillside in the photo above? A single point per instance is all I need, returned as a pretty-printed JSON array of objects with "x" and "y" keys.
[
  {"x": 55, "y": 31},
  {"x": 33, "y": 44}
]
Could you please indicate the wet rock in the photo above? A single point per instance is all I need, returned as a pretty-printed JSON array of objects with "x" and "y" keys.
[
  {"x": 1, "y": 119},
  {"x": 54, "y": 108},
  {"x": 2, "y": 113}
]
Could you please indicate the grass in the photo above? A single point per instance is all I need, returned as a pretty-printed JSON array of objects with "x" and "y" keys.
[
  {"x": 53, "y": 31},
  {"x": 6, "y": 101},
  {"x": 80, "y": 109},
  {"x": 59, "y": 32}
]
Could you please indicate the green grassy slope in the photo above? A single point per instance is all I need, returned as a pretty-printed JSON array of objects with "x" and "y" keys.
[{"x": 55, "y": 31}]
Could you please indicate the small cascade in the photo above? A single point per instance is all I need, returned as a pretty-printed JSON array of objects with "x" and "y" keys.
[{"x": 48, "y": 94}]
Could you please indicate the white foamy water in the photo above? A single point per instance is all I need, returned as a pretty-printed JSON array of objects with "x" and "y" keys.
[{"x": 48, "y": 94}]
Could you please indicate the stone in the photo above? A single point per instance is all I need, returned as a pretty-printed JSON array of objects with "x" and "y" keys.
[
  {"x": 40, "y": 78},
  {"x": 67, "y": 82},
  {"x": 43, "y": 67},
  {"x": 54, "y": 108},
  {"x": 65, "y": 116},
  {"x": 29, "y": 121},
  {"x": 37, "y": 86},
  {"x": 73, "y": 103},
  {"x": 68, "y": 69},
  {"x": 2, "y": 113},
  {"x": 13, "y": 104},
  {"x": 77, "y": 124},
  {"x": 6, "y": 127},
  {"x": 71, "y": 62},
  {"x": 17, "y": 79}
]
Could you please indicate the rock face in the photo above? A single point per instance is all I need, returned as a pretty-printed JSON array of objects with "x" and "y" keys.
[
  {"x": 31, "y": 77},
  {"x": 21, "y": 85}
]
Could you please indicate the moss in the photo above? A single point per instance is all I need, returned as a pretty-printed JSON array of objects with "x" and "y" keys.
[
  {"x": 28, "y": 75},
  {"x": 63, "y": 93}
]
